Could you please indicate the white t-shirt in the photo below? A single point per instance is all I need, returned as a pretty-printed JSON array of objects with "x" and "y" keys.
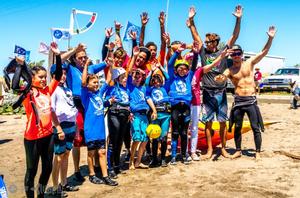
[{"x": 62, "y": 104}]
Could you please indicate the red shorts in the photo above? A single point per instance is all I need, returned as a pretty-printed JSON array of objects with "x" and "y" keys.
[{"x": 79, "y": 136}]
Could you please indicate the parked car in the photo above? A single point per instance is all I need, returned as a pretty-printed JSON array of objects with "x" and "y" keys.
[{"x": 281, "y": 80}]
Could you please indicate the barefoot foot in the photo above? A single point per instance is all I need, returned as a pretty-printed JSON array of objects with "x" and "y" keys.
[
  {"x": 224, "y": 153},
  {"x": 236, "y": 155}
]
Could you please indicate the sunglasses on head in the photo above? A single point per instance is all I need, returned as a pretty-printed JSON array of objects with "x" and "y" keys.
[{"x": 236, "y": 53}]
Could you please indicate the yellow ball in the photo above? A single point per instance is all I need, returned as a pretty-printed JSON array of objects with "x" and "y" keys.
[{"x": 153, "y": 131}]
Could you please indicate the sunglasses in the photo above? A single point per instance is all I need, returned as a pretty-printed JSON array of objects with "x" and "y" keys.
[
  {"x": 207, "y": 42},
  {"x": 236, "y": 54}
]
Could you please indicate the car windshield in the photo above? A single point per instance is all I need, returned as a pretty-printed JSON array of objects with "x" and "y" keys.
[{"x": 287, "y": 72}]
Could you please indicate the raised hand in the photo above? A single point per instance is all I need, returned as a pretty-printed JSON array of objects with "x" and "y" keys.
[
  {"x": 226, "y": 52},
  {"x": 109, "y": 61},
  {"x": 188, "y": 23},
  {"x": 108, "y": 32},
  {"x": 220, "y": 78},
  {"x": 181, "y": 47},
  {"x": 54, "y": 48},
  {"x": 110, "y": 46},
  {"x": 166, "y": 37},
  {"x": 144, "y": 18},
  {"x": 136, "y": 51},
  {"x": 272, "y": 31},
  {"x": 87, "y": 63},
  {"x": 118, "y": 25},
  {"x": 20, "y": 60},
  {"x": 238, "y": 11},
  {"x": 81, "y": 47},
  {"x": 132, "y": 35},
  {"x": 192, "y": 12},
  {"x": 196, "y": 47},
  {"x": 162, "y": 17}
]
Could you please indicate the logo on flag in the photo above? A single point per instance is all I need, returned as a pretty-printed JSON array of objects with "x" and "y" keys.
[
  {"x": 44, "y": 48},
  {"x": 134, "y": 28},
  {"x": 60, "y": 33},
  {"x": 19, "y": 50}
]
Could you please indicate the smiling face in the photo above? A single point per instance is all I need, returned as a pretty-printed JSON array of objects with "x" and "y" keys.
[
  {"x": 93, "y": 83},
  {"x": 237, "y": 56},
  {"x": 211, "y": 42},
  {"x": 119, "y": 57},
  {"x": 182, "y": 70},
  {"x": 39, "y": 79},
  {"x": 141, "y": 59},
  {"x": 122, "y": 79},
  {"x": 156, "y": 81},
  {"x": 137, "y": 78},
  {"x": 153, "y": 51},
  {"x": 80, "y": 58}
]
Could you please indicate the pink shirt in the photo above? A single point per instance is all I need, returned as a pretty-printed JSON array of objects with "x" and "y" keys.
[{"x": 196, "y": 92}]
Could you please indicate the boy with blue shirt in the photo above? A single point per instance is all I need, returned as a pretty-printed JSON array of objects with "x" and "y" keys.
[
  {"x": 94, "y": 130},
  {"x": 180, "y": 99}
]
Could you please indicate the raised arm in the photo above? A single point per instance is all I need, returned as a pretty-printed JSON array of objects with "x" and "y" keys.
[
  {"x": 238, "y": 14},
  {"x": 108, "y": 34},
  {"x": 136, "y": 52},
  {"x": 161, "y": 19},
  {"x": 192, "y": 27},
  {"x": 225, "y": 53},
  {"x": 65, "y": 56},
  {"x": 118, "y": 27},
  {"x": 85, "y": 73},
  {"x": 271, "y": 33},
  {"x": 144, "y": 21},
  {"x": 133, "y": 35}
]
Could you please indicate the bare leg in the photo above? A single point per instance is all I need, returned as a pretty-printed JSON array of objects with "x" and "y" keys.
[
  {"x": 209, "y": 153},
  {"x": 102, "y": 160},
  {"x": 140, "y": 154},
  {"x": 90, "y": 159},
  {"x": 223, "y": 133},
  {"x": 55, "y": 170},
  {"x": 76, "y": 158},
  {"x": 64, "y": 168},
  {"x": 133, "y": 149}
]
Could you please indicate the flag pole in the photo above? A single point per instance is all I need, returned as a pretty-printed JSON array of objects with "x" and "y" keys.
[
  {"x": 69, "y": 43},
  {"x": 167, "y": 12}
]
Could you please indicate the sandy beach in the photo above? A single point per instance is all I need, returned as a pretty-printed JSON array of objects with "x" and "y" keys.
[{"x": 275, "y": 175}]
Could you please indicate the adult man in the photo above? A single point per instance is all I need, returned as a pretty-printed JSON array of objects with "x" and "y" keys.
[
  {"x": 214, "y": 94},
  {"x": 242, "y": 76}
]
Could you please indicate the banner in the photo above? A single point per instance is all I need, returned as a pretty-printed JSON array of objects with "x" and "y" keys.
[
  {"x": 19, "y": 50},
  {"x": 60, "y": 33}
]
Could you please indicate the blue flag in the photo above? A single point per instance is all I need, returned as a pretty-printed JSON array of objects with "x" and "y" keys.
[
  {"x": 27, "y": 56},
  {"x": 20, "y": 50},
  {"x": 131, "y": 27}
]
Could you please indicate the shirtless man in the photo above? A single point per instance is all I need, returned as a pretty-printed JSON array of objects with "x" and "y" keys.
[{"x": 242, "y": 76}]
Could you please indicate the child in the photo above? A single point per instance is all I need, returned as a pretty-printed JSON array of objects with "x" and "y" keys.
[
  {"x": 180, "y": 97},
  {"x": 64, "y": 120},
  {"x": 159, "y": 95},
  {"x": 38, "y": 140},
  {"x": 94, "y": 130},
  {"x": 139, "y": 107},
  {"x": 117, "y": 118}
]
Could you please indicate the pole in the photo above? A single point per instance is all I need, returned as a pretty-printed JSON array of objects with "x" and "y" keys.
[{"x": 167, "y": 13}]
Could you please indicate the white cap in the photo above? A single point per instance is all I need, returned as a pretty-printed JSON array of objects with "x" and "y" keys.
[{"x": 117, "y": 72}]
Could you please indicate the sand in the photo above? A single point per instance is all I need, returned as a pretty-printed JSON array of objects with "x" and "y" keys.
[{"x": 275, "y": 175}]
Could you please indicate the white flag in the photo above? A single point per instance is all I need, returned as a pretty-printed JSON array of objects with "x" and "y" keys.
[
  {"x": 60, "y": 33},
  {"x": 44, "y": 48}
]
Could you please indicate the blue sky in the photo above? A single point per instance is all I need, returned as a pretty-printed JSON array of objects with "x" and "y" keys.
[{"x": 27, "y": 22}]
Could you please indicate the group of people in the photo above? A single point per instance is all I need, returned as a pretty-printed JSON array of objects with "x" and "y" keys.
[{"x": 145, "y": 88}]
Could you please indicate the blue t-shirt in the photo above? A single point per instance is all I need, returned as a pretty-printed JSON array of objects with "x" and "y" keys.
[
  {"x": 120, "y": 93},
  {"x": 158, "y": 95},
  {"x": 180, "y": 87},
  {"x": 94, "y": 128},
  {"x": 74, "y": 75},
  {"x": 137, "y": 97}
]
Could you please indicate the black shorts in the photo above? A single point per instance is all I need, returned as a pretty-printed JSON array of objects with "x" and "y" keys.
[{"x": 96, "y": 144}]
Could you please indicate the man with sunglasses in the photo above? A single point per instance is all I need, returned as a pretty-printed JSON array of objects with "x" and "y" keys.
[
  {"x": 242, "y": 76},
  {"x": 214, "y": 93}
]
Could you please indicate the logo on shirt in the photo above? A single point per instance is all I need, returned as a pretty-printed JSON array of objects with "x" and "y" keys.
[
  {"x": 141, "y": 96},
  {"x": 157, "y": 95},
  {"x": 124, "y": 96},
  {"x": 98, "y": 105},
  {"x": 180, "y": 86}
]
